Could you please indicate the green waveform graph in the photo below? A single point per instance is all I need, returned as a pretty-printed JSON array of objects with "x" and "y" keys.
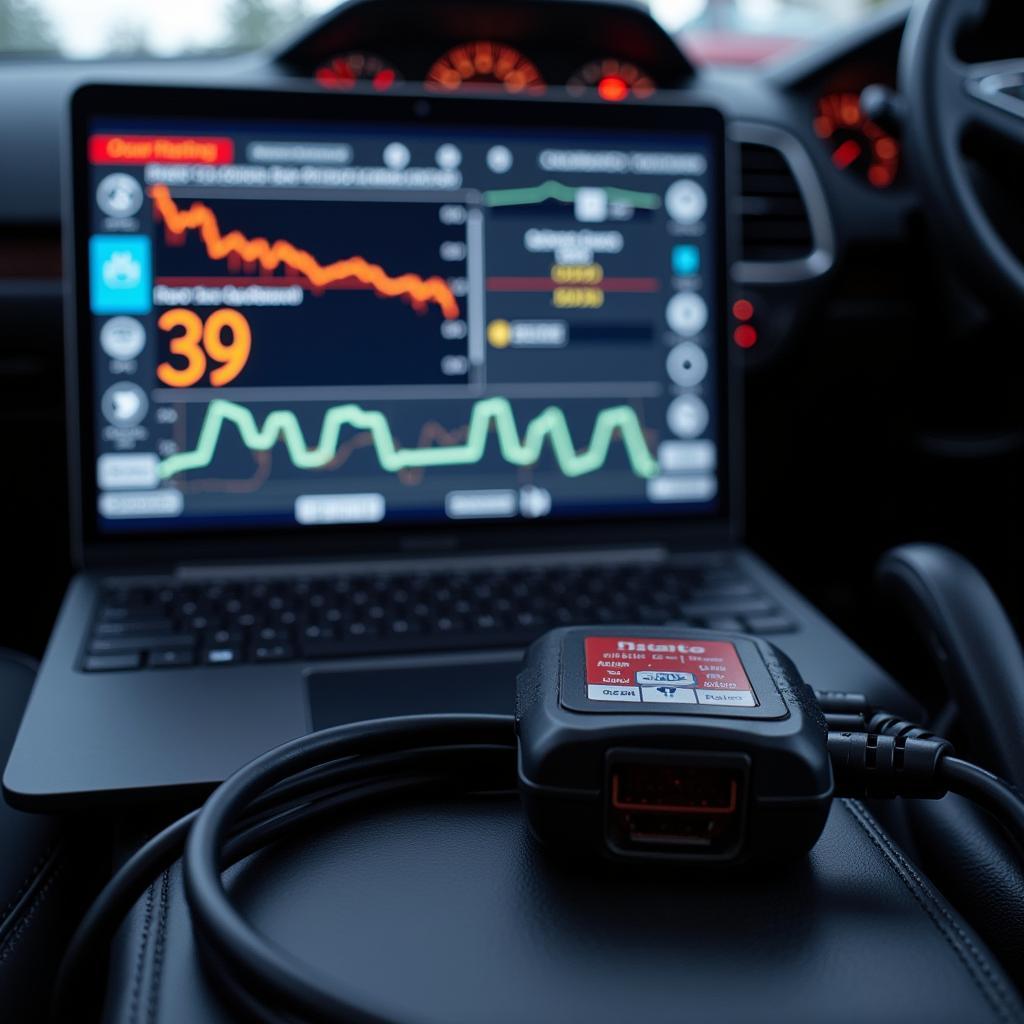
[
  {"x": 563, "y": 193},
  {"x": 548, "y": 427}
]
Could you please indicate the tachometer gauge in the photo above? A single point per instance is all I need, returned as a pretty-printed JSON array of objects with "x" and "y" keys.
[
  {"x": 613, "y": 79},
  {"x": 857, "y": 143},
  {"x": 483, "y": 64},
  {"x": 345, "y": 70}
]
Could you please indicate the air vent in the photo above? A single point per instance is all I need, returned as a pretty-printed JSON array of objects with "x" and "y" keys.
[
  {"x": 786, "y": 231},
  {"x": 775, "y": 221}
]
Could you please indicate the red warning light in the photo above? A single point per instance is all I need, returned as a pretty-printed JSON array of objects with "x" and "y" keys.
[
  {"x": 745, "y": 336},
  {"x": 348, "y": 69},
  {"x": 881, "y": 176},
  {"x": 612, "y": 88},
  {"x": 743, "y": 309}
]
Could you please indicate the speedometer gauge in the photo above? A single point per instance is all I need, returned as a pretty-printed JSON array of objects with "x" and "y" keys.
[
  {"x": 857, "y": 143},
  {"x": 484, "y": 64},
  {"x": 613, "y": 79},
  {"x": 345, "y": 70}
]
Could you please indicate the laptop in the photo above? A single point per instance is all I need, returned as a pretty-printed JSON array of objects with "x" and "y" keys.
[{"x": 365, "y": 394}]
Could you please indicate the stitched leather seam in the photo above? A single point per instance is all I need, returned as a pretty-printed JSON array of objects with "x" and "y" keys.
[
  {"x": 897, "y": 854},
  {"x": 12, "y": 922},
  {"x": 159, "y": 944},
  {"x": 140, "y": 960},
  {"x": 968, "y": 953},
  {"x": 12, "y": 940},
  {"x": 33, "y": 874}
]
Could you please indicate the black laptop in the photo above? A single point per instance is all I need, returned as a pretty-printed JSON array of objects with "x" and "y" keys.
[{"x": 365, "y": 394}]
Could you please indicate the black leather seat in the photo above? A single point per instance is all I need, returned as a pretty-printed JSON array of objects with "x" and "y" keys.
[
  {"x": 42, "y": 876},
  {"x": 447, "y": 913}
]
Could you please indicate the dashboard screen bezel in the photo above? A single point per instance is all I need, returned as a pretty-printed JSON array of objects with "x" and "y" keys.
[{"x": 666, "y": 116}]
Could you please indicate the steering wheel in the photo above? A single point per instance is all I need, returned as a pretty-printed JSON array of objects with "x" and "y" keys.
[{"x": 946, "y": 98}]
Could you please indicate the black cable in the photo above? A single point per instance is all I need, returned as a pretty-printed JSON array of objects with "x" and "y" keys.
[
  {"x": 255, "y": 963},
  {"x": 988, "y": 790},
  {"x": 889, "y": 756},
  {"x": 487, "y": 778},
  {"x": 834, "y": 703},
  {"x": 258, "y": 1003},
  {"x": 282, "y": 809},
  {"x": 325, "y": 779}
]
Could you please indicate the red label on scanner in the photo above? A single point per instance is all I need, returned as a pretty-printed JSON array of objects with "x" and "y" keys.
[{"x": 666, "y": 670}]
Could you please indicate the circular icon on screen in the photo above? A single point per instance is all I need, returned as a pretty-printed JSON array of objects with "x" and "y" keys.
[
  {"x": 448, "y": 156},
  {"x": 686, "y": 202},
  {"x": 687, "y": 314},
  {"x": 396, "y": 156},
  {"x": 687, "y": 364},
  {"x": 688, "y": 416},
  {"x": 125, "y": 404},
  {"x": 119, "y": 195},
  {"x": 499, "y": 159},
  {"x": 122, "y": 337}
]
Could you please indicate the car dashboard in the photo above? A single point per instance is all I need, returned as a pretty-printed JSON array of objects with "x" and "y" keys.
[{"x": 522, "y": 47}]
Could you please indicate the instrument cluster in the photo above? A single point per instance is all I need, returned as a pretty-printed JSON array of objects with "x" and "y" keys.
[
  {"x": 858, "y": 145},
  {"x": 483, "y": 65}
]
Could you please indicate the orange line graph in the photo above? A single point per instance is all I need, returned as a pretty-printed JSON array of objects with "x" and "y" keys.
[{"x": 270, "y": 255}]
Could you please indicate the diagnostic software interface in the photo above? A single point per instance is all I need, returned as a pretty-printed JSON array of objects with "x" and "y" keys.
[{"x": 299, "y": 324}]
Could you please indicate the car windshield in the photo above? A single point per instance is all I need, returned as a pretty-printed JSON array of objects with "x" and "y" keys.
[{"x": 712, "y": 31}]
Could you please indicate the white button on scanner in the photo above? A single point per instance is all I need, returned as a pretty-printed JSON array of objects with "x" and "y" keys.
[
  {"x": 667, "y": 693},
  {"x": 602, "y": 691},
  {"x": 727, "y": 698}
]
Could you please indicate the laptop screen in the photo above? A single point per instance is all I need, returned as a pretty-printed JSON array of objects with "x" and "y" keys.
[{"x": 292, "y": 323}]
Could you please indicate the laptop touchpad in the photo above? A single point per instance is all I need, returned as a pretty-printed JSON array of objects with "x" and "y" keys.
[{"x": 381, "y": 688}]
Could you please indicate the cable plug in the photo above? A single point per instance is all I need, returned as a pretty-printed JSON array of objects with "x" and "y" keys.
[
  {"x": 884, "y": 723},
  {"x": 870, "y": 764}
]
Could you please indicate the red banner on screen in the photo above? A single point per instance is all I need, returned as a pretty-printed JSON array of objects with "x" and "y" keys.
[{"x": 160, "y": 149}]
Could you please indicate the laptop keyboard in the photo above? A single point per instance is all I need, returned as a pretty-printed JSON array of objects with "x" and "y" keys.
[{"x": 283, "y": 619}]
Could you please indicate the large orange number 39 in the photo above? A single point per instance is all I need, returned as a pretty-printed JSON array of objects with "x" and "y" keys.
[{"x": 198, "y": 340}]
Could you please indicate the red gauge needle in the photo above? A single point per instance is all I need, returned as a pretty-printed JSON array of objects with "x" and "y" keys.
[{"x": 846, "y": 154}]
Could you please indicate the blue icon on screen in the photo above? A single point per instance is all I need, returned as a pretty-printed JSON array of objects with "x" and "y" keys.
[
  {"x": 685, "y": 260},
  {"x": 121, "y": 275}
]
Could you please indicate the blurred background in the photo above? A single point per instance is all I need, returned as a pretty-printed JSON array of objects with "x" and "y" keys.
[{"x": 716, "y": 31}]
